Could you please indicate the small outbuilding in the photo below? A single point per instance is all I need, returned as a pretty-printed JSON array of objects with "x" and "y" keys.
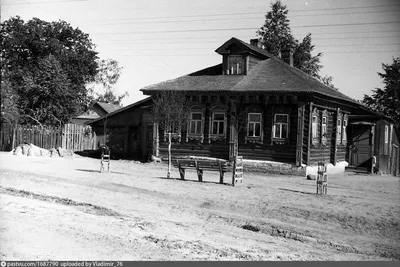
[{"x": 127, "y": 131}]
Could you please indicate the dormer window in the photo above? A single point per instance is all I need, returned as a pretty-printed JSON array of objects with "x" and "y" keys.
[{"x": 235, "y": 65}]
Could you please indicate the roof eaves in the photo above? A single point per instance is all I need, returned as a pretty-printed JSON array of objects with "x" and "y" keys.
[{"x": 121, "y": 109}]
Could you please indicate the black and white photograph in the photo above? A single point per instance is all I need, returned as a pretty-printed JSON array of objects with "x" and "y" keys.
[{"x": 199, "y": 131}]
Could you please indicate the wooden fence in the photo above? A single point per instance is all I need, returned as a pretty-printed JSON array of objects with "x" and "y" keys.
[
  {"x": 78, "y": 137},
  {"x": 70, "y": 136}
]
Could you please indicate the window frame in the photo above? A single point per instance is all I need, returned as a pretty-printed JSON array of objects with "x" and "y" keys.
[
  {"x": 344, "y": 127},
  {"x": 324, "y": 129},
  {"x": 223, "y": 121},
  {"x": 192, "y": 120},
  {"x": 253, "y": 122},
  {"x": 281, "y": 124},
  {"x": 339, "y": 130},
  {"x": 314, "y": 128},
  {"x": 238, "y": 64}
]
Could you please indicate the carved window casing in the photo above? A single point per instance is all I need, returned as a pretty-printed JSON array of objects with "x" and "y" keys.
[
  {"x": 254, "y": 128},
  {"x": 218, "y": 124},
  {"x": 195, "y": 129},
  {"x": 175, "y": 128},
  {"x": 339, "y": 130},
  {"x": 324, "y": 127},
  {"x": 281, "y": 128},
  {"x": 314, "y": 127},
  {"x": 344, "y": 133}
]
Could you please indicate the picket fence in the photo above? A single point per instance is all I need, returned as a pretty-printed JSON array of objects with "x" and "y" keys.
[{"x": 70, "y": 136}]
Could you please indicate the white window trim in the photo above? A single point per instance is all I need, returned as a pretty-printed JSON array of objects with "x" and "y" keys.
[
  {"x": 339, "y": 130},
  {"x": 248, "y": 122},
  {"x": 314, "y": 128},
  {"x": 344, "y": 134},
  {"x": 195, "y": 136},
  {"x": 174, "y": 135},
  {"x": 386, "y": 134},
  {"x": 213, "y": 120},
  {"x": 287, "y": 132},
  {"x": 217, "y": 137},
  {"x": 191, "y": 120},
  {"x": 324, "y": 129}
]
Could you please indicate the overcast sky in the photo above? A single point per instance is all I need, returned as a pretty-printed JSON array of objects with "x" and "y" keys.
[{"x": 163, "y": 39}]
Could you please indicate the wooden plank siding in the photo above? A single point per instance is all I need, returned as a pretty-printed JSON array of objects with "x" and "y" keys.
[{"x": 266, "y": 150}]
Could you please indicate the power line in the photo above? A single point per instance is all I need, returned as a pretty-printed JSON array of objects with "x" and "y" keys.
[
  {"x": 208, "y": 54},
  {"x": 134, "y": 21},
  {"x": 249, "y": 13},
  {"x": 42, "y": 2},
  {"x": 248, "y": 28},
  {"x": 219, "y": 41},
  {"x": 209, "y": 48},
  {"x": 224, "y": 38},
  {"x": 345, "y": 24}
]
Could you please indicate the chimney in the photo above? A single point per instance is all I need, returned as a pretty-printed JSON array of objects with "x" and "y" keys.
[
  {"x": 287, "y": 56},
  {"x": 255, "y": 42}
]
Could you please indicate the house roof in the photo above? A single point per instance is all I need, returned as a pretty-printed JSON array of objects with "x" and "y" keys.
[
  {"x": 121, "y": 109},
  {"x": 271, "y": 75},
  {"x": 108, "y": 107}
]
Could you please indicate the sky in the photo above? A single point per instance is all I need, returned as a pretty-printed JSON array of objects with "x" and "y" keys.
[{"x": 158, "y": 40}]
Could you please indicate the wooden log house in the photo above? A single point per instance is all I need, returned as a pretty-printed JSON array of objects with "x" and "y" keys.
[{"x": 278, "y": 112}]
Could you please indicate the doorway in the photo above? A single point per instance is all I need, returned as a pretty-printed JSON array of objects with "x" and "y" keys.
[{"x": 361, "y": 146}]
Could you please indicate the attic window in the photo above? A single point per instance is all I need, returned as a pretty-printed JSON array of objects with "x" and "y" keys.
[{"x": 235, "y": 65}]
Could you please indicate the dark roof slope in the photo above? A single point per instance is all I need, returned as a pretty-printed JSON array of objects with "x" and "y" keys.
[
  {"x": 270, "y": 75},
  {"x": 252, "y": 48},
  {"x": 121, "y": 109},
  {"x": 108, "y": 107}
]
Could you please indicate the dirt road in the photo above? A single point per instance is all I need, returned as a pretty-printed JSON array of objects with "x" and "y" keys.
[{"x": 64, "y": 209}]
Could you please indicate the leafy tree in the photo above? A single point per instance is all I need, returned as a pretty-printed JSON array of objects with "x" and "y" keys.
[
  {"x": 276, "y": 37},
  {"x": 107, "y": 76},
  {"x": 170, "y": 111},
  {"x": 47, "y": 65},
  {"x": 9, "y": 98},
  {"x": 327, "y": 80},
  {"x": 387, "y": 100}
]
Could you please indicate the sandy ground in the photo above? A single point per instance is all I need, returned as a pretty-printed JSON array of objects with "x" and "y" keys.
[{"x": 64, "y": 209}]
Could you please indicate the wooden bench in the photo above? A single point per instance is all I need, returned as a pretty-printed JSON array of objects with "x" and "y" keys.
[{"x": 200, "y": 165}]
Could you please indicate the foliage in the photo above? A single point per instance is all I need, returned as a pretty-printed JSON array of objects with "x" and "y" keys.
[
  {"x": 327, "y": 80},
  {"x": 302, "y": 58},
  {"x": 276, "y": 37},
  {"x": 9, "y": 98},
  {"x": 170, "y": 109},
  {"x": 101, "y": 89},
  {"x": 47, "y": 65},
  {"x": 387, "y": 100}
]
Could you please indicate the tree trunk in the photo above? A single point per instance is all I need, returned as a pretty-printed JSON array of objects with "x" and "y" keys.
[
  {"x": 169, "y": 156},
  {"x": 14, "y": 136}
]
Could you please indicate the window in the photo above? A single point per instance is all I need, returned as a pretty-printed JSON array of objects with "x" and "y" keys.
[
  {"x": 218, "y": 124},
  {"x": 174, "y": 127},
  {"x": 314, "y": 129},
  {"x": 196, "y": 121},
  {"x": 254, "y": 125},
  {"x": 344, "y": 135},
  {"x": 324, "y": 131},
  {"x": 386, "y": 134},
  {"x": 235, "y": 65},
  {"x": 281, "y": 127},
  {"x": 339, "y": 131}
]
